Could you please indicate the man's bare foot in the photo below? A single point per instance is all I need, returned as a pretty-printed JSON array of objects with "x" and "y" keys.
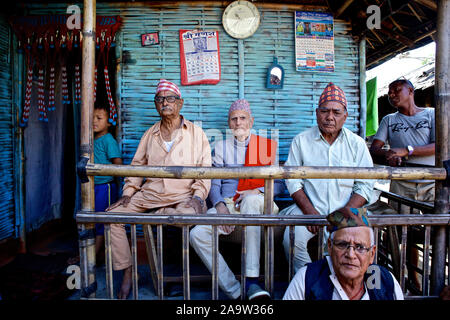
[{"x": 126, "y": 284}]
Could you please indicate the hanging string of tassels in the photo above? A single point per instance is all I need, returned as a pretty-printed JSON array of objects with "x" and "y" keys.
[
  {"x": 53, "y": 50},
  {"x": 76, "y": 45},
  {"x": 50, "y": 31},
  {"x": 100, "y": 46},
  {"x": 112, "y": 107},
  {"x": 42, "y": 109},
  {"x": 28, "y": 86}
]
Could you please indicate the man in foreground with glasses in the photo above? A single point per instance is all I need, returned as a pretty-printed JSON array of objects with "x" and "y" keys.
[
  {"x": 173, "y": 141},
  {"x": 328, "y": 144},
  {"x": 345, "y": 274}
]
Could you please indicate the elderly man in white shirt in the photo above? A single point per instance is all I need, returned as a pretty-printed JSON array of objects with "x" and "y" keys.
[
  {"x": 328, "y": 144},
  {"x": 347, "y": 273}
]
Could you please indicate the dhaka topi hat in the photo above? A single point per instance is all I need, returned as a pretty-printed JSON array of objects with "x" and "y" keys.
[
  {"x": 240, "y": 104},
  {"x": 165, "y": 85},
  {"x": 333, "y": 93},
  {"x": 348, "y": 217}
]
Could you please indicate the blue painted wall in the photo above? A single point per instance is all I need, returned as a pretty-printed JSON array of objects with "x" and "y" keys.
[
  {"x": 287, "y": 111},
  {"x": 7, "y": 214}
]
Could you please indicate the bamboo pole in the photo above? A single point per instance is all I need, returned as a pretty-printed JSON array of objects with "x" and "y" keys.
[
  {"x": 134, "y": 266},
  {"x": 169, "y": 5},
  {"x": 243, "y": 261},
  {"x": 426, "y": 261},
  {"x": 291, "y": 251},
  {"x": 272, "y": 172},
  {"x": 159, "y": 242},
  {"x": 215, "y": 264},
  {"x": 186, "y": 272},
  {"x": 442, "y": 98},
  {"x": 362, "y": 88},
  {"x": 269, "y": 236},
  {"x": 87, "y": 242},
  {"x": 254, "y": 220},
  {"x": 108, "y": 263}
]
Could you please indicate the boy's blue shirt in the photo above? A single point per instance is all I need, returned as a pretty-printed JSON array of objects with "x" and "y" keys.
[{"x": 105, "y": 149}]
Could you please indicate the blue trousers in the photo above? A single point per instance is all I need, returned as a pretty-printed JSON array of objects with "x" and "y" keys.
[{"x": 105, "y": 195}]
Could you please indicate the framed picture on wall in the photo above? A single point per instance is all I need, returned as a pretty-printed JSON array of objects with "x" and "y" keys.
[{"x": 149, "y": 39}]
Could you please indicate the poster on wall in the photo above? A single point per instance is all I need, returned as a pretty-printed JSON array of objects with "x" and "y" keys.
[
  {"x": 199, "y": 57},
  {"x": 314, "y": 41}
]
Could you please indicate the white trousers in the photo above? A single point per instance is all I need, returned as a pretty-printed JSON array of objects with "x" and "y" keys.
[
  {"x": 201, "y": 241},
  {"x": 302, "y": 236}
]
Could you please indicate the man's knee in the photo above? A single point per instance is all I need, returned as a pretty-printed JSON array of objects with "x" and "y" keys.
[
  {"x": 252, "y": 204},
  {"x": 199, "y": 234},
  {"x": 301, "y": 237}
]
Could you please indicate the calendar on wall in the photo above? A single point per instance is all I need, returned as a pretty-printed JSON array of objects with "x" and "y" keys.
[
  {"x": 199, "y": 57},
  {"x": 314, "y": 41}
]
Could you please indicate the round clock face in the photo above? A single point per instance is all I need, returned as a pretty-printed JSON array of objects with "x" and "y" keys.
[{"x": 241, "y": 19}]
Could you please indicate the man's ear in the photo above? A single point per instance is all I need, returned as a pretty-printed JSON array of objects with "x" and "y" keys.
[
  {"x": 329, "y": 245},
  {"x": 372, "y": 253}
]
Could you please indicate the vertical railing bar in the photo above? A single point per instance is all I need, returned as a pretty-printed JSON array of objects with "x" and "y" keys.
[
  {"x": 215, "y": 265},
  {"x": 268, "y": 235},
  {"x": 84, "y": 263},
  {"x": 268, "y": 231},
  {"x": 151, "y": 254},
  {"x": 375, "y": 235},
  {"x": 134, "y": 272},
  {"x": 403, "y": 258},
  {"x": 108, "y": 262},
  {"x": 426, "y": 261},
  {"x": 186, "y": 280},
  {"x": 160, "y": 262},
  {"x": 291, "y": 251},
  {"x": 320, "y": 245},
  {"x": 448, "y": 257},
  {"x": 243, "y": 261}
]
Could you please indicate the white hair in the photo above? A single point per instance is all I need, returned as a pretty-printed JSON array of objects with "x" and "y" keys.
[{"x": 372, "y": 237}]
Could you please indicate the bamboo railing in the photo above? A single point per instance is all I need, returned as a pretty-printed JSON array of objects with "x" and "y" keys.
[{"x": 267, "y": 220}]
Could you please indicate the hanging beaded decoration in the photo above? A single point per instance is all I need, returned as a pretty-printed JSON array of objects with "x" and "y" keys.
[
  {"x": 28, "y": 87},
  {"x": 52, "y": 63},
  {"x": 77, "y": 69},
  {"x": 112, "y": 107},
  {"x": 51, "y": 32}
]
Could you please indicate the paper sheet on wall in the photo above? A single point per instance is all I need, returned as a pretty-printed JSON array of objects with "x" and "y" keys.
[
  {"x": 314, "y": 41},
  {"x": 199, "y": 57}
]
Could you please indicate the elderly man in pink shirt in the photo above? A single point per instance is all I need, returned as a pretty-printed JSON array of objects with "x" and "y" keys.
[{"x": 172, "y": 141}]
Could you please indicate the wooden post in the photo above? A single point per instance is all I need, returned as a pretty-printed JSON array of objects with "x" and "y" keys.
[
  {"x": 269, "y": 245},
  {"x": 441, "y": 90},
  {"x": 87, "y": 242},
  {"x": 241, "y": 50},
  {"x": 362, "y": 88}
]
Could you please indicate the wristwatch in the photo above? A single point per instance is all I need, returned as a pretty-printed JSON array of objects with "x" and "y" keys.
[
  {"x": 202, "y": 202},
  {"x": 410, "y": 150}
]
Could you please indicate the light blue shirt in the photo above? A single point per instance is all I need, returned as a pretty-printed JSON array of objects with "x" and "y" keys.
[{"x": 309, "y": 148}]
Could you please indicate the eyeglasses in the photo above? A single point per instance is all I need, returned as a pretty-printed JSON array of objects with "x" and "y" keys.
[
  {"x": 169, "y": 99},
  {"x": 344, "y": 245}
]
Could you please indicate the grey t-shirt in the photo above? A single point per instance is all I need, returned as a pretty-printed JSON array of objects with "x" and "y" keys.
[{"x": 399, "y": 131}]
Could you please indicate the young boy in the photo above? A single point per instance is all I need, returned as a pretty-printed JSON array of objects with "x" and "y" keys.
[{"x": 106, "y": 151}]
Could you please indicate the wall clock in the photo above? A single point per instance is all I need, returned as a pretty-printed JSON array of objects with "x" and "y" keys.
[{"x": 241, "y": 19}]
